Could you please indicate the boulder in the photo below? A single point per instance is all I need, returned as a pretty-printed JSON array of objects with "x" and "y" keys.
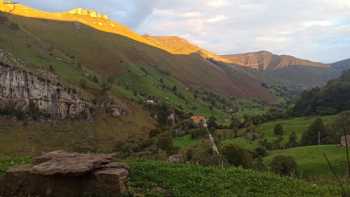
[
  {"x": 178, "y": 158},
  {"x": 59, "y": 173}
]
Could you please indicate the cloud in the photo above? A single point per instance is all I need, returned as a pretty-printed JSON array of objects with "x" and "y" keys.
[
  {"x": 313, "y": 29},
  {"x": 217, "y": 18},
  {"x": 217, "y": 3}
]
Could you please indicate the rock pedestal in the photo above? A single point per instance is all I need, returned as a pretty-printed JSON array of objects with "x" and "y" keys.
[{"x": 61, "y": 174}]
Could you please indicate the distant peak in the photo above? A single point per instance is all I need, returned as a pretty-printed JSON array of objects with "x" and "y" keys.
[
  {"x": 264, "y": 51},
  {"x": 87, "y": 12}
]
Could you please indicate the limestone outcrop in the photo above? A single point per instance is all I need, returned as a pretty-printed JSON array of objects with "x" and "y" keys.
[
  {"x": 26, "y": 92},
  {"x": 42, "y": 93},
  {"x": 59, "y": 173},
  {"x": 88, "y": 12}
]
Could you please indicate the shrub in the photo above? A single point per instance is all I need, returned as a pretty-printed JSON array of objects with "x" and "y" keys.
[
  {"x": 165, "y": 142},
  {"x": 13, "y": 26},
  {"x": 212, "y": 124},
  {"x": 198, "y": 133},
  {"x": 259, "y": 164},
  {"x": 260, "y": 151},
  {"x": 83, "y": 83},
  {"x": 292, "y": 140},
  {"x": 237, "y": 156},
  {"x": 278, "y": 130},
  {"x": 284, "y": 165},
  {"x": 203, "y": 154}
]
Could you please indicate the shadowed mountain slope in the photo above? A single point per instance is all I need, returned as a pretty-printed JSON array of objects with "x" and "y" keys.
[{"x": 342, "y": 65}]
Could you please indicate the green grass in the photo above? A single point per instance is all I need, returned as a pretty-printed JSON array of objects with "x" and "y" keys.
[
  {"x": 298, "y": 125},
  {"x": 311, "y": 161},
  {"x": 190, "y": 180},
  {"x": 185, "y": 141},
  {"x": 6, "y": 162},
  {"x": 243, "y": 143}
]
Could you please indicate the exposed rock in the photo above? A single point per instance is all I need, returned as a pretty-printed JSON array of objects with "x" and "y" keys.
[
  {"x": 58, "y": 174},
  {"x": 73, "y": 164},
  {"x": 178, "y": 158},
  {"x": 42, "y": 94},
  {"x": 88, "y": 12},
  {"x": 26, "y": 92}
]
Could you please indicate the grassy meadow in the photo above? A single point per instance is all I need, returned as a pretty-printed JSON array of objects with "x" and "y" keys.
[{"x": 311, "y": 162}]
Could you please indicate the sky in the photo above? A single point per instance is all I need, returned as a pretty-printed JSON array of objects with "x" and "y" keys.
[{"x": 318, "y": 30}]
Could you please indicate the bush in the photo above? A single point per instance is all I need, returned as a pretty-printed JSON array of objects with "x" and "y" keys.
[
  {"x": 198, "y": 133},
  {"x": 284, "y": 165},
  {"x": 292, "y": 140},
  {"x": 203, "y": 154},
  {"x": 259, "y": 164},
  {"x": 261, "y": 151},
  {"x": 13, "y": 26},
  {"x": 237, "y": 156},
  {"x": 278, "y": 130},
  {"x": 83, "y": 83},
  {"x": 165, "y": 142}
]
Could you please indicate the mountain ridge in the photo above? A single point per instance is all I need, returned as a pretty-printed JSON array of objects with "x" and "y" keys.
[
  {"x": 266, "y": 60},
  {"x": 342, "y": 65}
]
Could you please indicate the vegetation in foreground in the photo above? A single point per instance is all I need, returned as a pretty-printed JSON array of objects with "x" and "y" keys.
[{"x": 160, "y": 179}]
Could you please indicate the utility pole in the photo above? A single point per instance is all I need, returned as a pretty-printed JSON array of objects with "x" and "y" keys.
[{"x": 319, "y": 138}]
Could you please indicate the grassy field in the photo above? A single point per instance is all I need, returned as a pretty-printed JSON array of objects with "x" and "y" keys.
[
  {"x": 311, "y": 161},
  {"x": 101, "y": 135},
  {"x": 162, "y": 179},
  {"x": 298, "y": 125},
  {"x": 243, "y": 143},
  {"x": 185, "y": 141}
]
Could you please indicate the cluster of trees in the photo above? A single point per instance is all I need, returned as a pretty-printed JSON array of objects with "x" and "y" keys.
[{"x": 331, "y": 99}]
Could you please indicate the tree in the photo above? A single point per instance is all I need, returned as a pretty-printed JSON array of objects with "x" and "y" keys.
[
  {"x": 292, "y": 140},
  {"x": 261, "y": 151},
  {"x": 234, "y": 125},
  {"x": 284, "y": 165},
  {"x": 315, "y": 133},
  {"x": 237, "y": 156},
  {"x": 212, "y": 125},
  {"x": 165, "y": 142},
  {"x": 278, "y": 130}
]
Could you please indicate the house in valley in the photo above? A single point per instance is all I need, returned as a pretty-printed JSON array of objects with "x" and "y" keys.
[{"x": 199, "y": 121}]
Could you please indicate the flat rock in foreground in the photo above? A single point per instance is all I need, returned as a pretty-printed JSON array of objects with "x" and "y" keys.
[{"x": 62, "y": 174}]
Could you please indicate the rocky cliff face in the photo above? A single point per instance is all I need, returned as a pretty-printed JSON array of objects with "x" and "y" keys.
[{"x": 26, "y": 92}]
